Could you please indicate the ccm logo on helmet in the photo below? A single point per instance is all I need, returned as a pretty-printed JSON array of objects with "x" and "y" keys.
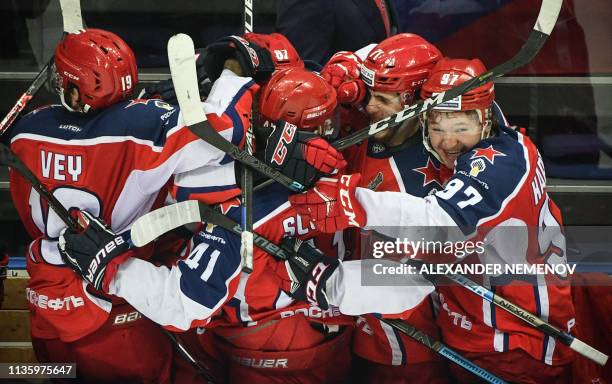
[
  {"x": 345, "y": 200},
  {"x": 108, "y": 248},
  {"x": 71, "y": 76}
]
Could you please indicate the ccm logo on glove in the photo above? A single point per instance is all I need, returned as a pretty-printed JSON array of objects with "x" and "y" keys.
[
  {"x": 313, "y": 283},
  {"x": 102, "y": 253},
  {"x": 280, "y": 152},
  {"x": 345, "y": 200}
]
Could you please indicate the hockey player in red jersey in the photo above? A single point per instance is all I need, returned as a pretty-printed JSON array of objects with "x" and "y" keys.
[
  {"x": 267, "y": 331},
  {"x": 393, "y": 160},
  {"x": 113, "y": 157},
  {"x": 480, "y": 203}
]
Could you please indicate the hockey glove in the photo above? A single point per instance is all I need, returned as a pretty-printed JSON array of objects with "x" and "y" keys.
[
  {"x": 165, "y": 89},
  {"x": 342, "y": 73},
  {"x": 331, "y": 205},
  {"x": 95, "y": 253},
  {"x": 254, "y": 60},
  {"x": 302, "y": 156},
  {"x": 308, "y": 270}
]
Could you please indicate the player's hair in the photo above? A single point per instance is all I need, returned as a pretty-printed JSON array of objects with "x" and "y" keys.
[{"x": 99, "y": 64}]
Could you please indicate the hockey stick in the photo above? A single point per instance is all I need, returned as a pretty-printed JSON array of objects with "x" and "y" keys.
[
  {"x": 155, "y": 223},
  {"x": 181, "y": 55},
  {"x": 549, "y": 11},
  {"x": 191, "y": 211},
  {"x": 246, "y": 182},
  {"x": 73, "y": 22},
  {"x": 442, "y": 349}
]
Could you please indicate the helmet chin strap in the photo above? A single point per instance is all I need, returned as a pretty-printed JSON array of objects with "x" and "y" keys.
[{"x": 62, "y": 95}]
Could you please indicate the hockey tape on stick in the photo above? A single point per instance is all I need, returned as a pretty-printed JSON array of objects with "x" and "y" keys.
[
  {"x": 549, "y": 11},
  {"x": 73, "y": 22},
  {"x": 181, "y": 55},
  {"x": 192, "y": 211},
  {"x": 246, "y": 177}
]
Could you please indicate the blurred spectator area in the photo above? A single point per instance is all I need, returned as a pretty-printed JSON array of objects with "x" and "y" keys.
[{"x": 563, "y": 97}]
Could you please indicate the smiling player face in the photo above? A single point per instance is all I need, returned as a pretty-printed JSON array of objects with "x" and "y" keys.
[{"x": 452, "y": 134}]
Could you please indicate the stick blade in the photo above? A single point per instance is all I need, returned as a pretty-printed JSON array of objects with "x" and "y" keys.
[
  {"x": 71, "y": 15},
  {"x": 589, "y": 352},
  {"x": 181, "y": 56},
  {"x": 155, "y": 223},
  {"x": 547, "y": 18}
]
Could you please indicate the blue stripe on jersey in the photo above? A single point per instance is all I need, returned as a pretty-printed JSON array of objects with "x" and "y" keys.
[
  {"x": 544, "y": 348},
  {"x": 401, "y": 345},
  {"x": 506, "y": 342},
  {"x": 536, "y": 295},
  {"x": 492, "y": 308},
  {"x": 201, "y": 280}
]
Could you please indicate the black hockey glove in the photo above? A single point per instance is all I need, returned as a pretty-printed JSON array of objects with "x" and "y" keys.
[
  {"x": 95, "y": 253},
  {"x": 300, "y": 155},
  {"x": 254, "y": 61},
  {"x": 164, "y": 89},
  {"x": 308, "y": 269}
]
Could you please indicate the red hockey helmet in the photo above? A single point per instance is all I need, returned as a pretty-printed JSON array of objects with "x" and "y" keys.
[
  {"x": 100, "y": 64},
  {"x": 449, "y": 73},
  {"x": 400, "y": 63},
  {"x": 298, "y": 96},
  {"x": 282, "y": 51}
]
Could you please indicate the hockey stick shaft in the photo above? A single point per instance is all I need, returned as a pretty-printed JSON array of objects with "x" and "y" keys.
[
  {"x": 442, "y": 349},
  {"x": 181, "y": 57},
  {"x": 246, "y": 177},
  {"x": 545, "y": 327},
  {"x": 73, "y": 22},
  {"x": 155, "y": 223},
  {"x": 549, "y": 11},
  {"x": 198, "y": 211},
  {"x": 8, "y": 157}
]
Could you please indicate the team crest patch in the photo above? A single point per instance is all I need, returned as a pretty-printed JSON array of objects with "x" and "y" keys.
[
  {"x": 477, "y": 166},
  {"x": 378, "y": 148},
  {"x": 488, "y": 153},
  {"x": 376, "y": 181}
]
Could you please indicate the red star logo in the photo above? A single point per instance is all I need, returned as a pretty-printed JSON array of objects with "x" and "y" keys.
[
  {"x": 488, "y": 153},
  {"x": 431, "y": 173},
  {"x": 136, "y": 102}
]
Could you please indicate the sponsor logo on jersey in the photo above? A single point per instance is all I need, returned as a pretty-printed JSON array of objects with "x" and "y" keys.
[
  {"x": 69, "y": 127},
  {"x": 477, "y": 166},
  {"x": 313, "y": 312},
  {"x": 45, "y": 302}
]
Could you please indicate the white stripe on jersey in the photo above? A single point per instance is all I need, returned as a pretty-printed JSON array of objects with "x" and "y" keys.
[
  {"x": 87, "y": 142},
  {"x": 272, "y": 214},
  {"x": 398, "y": 176},
  {"x": 394, "y": 343},
  {"x": 550, "y": 350},
  {"x": 498, "y": 341},
  {"x": 216, "y": 176},
  {"x": 283, "y": 301},
  {"x": 240, "y": 295},
  {"x": 105, "y": 305}
]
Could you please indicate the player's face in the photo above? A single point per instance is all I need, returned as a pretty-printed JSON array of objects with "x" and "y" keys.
[
  {"x": 381, "y": 105},
  {"x": 452, "y": 134}
]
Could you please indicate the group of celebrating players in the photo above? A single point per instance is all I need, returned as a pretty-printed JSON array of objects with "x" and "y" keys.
[{"x": 106, "y": 305}]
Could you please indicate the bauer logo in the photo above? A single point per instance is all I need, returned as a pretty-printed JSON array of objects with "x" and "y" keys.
[
  {"x": 450, "y": 105},
  {"x": 367, "y": 75}
]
